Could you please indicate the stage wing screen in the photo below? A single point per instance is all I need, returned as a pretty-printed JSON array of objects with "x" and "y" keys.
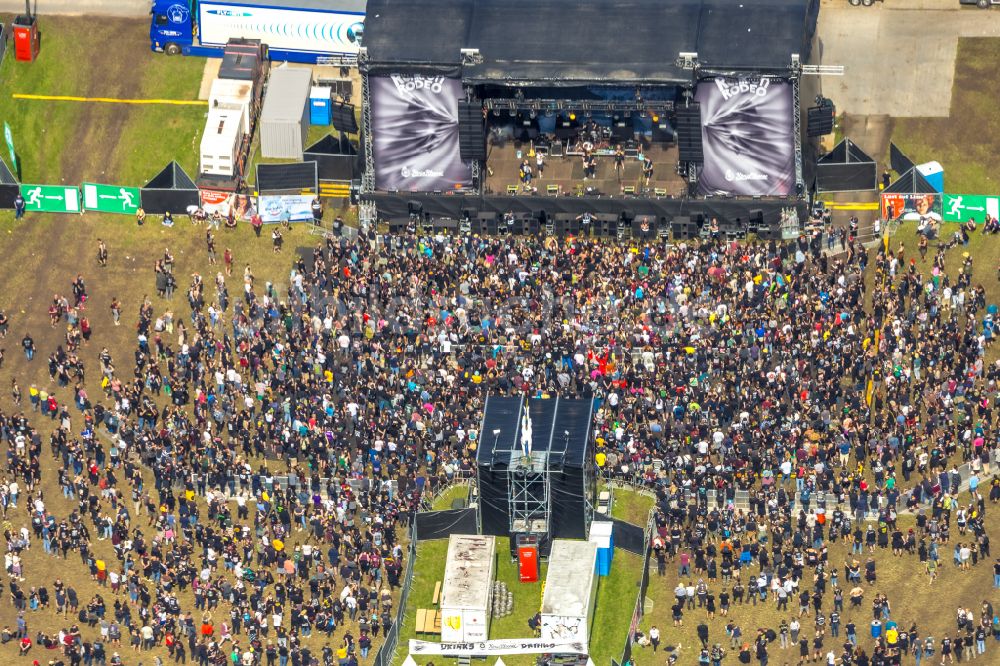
[
  {"x": 747, "y": 137},
  {"x": 416, "y": 137}
]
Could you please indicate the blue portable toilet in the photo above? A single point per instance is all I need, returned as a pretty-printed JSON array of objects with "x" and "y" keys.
[
  {"x": 601, "y": 534},
  {"x": 933, "y": 173},
  {"x": 320, "y": 106}
]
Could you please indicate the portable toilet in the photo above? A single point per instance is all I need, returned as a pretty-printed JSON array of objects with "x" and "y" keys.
[
  {"x": 26, "y": 37},
  {"x": 933, "y": 173},
  {"x": 320, "y": 107},
  {"x": 601, "y": 535}
]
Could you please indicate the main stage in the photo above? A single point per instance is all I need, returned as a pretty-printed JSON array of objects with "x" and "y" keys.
[{"x": 680, "y": 112}]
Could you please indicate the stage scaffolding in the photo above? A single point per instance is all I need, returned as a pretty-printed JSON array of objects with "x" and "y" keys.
[{"x": 529, "y": 494}]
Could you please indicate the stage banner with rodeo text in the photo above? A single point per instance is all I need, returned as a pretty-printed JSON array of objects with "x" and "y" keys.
[
  {"x": 415, "y": 133},
  {"x": 497, "y": 647},
  {"x": 962, "y": 207},
  {"x": 911, "y": 207},
  {"x": 279, "y": 208},
  {"x": 748, "y": 136}
]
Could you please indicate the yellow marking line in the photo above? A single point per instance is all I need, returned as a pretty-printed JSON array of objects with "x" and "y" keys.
[
  {"x": 109, "y": 100},
  {"x": 873, "y": 205}
]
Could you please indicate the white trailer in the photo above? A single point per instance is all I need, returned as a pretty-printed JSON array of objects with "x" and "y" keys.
[
  {"x": 467, "y": 588},
  {"x": 570, "y": 591},
  {"x": 220, "y": 144},
  {"x": 300, "y": 26},
  {"x": 233, "y": 95}
]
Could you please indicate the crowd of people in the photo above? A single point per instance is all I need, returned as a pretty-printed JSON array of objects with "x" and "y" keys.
[{"x": 238, "y": 484}]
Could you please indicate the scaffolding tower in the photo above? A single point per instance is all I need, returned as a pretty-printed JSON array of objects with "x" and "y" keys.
[{"x": 529, "y": 492}]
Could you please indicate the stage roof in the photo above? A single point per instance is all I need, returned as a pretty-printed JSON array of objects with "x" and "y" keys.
[
  {"x": 591, "y": 41},
  {"x": 560, "y": 426}
]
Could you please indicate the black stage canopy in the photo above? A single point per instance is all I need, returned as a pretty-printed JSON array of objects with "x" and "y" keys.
[
  {"x": 525, "y": 42},
  {"x": 911, "y": 182},
  {"x": 170, "y": 190},
  {"x": 726, "y": 209},
  {"x": 846, "y": 168}
]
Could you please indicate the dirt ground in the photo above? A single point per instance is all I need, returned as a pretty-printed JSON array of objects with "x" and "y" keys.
[{"x": 42, "y": 255}]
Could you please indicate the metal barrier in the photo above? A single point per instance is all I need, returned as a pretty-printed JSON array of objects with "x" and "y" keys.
[
  {"x": 638, "y": 611},
  {"x": 386, "y": 654}
]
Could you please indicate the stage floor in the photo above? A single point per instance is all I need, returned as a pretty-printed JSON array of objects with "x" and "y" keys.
[{"x": 566, "y": 172}]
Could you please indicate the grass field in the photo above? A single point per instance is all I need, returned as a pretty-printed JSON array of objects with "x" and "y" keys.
[
  {"x": 443, "y": 501},
  {"x": 630, "y": 506},
  {"x": 966, "y": 144},
  {"x": 69, "y": 142}
]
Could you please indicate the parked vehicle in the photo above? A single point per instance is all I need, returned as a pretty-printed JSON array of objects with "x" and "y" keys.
[{"x": 293, "y": 30}]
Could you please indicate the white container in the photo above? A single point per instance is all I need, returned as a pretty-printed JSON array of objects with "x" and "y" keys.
[
  {"x": 467, "y": 588},
  {"x": 232, "y": 95},
  {"x": 284, "y": 120},
  {"x": 220, "y": 144},
  {"x": 570, "y": 591}
]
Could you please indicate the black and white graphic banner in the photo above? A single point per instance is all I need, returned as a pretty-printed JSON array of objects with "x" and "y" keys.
[
  {"x": 415, "y": 133},
  {"x": 747, "y": 137},
  {"x": 498, "y": 647}
]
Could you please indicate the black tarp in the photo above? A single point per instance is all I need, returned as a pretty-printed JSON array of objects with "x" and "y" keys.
[
  {"x": 898, "y": 160},
  {"x": 9, "y": 186},
  {"x": 911, "y": 182},
  {"x": 451, "y": 206},
  {"x": 170, "y": 190},
  {"x": 500, "y": 415},
  {"x": 335, "y": 158},
  {"x": 846, "y": 168},
  {"x": 624, "y": 41},
  {"x": 442, "y": 524},
  {"x": 627, "y": 536},
  {"x": 285, "y": 178},
  {"x": 560, "y": 426}
]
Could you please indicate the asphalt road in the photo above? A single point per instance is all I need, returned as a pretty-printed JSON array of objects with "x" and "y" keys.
[
  {"x": 898, "y": 56},
  {"x": 95, "y": 7}
]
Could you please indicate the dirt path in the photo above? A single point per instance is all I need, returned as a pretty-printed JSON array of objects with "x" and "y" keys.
[{"x": 95, "y": 144}]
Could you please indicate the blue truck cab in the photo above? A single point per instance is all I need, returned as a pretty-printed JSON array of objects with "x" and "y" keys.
[
  {"x": 293, "y": 30},
  {"x": 173, "y": 26}
]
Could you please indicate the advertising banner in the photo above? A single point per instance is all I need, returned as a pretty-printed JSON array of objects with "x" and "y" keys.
[
  {"x": 415, "y": 133},
  {"x": 292, "y": 207},
  {"x": 9, "y": 138},
  {"x": 497, "y": 647},
  {"x": 214, "y": 201},
  {"x": 747, "y": 137},
  {"x": 323, "y": 31},
  {"x": 110, "y": 198},
  {"x": 911, "y": 207},
  {"x": 962, "y": 207},
  {"x": 51, "y": 198}
]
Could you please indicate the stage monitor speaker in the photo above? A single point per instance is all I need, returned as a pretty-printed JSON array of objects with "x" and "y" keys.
[
  {"x": 681, "y": 227},
  {"x": 343, "y": 118},
  {"x": 689, "y": 133},
  {"x": 820, "y": 120},
  {"x": 768, "y": 233},
  {"x": 471, "y": 131}
]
